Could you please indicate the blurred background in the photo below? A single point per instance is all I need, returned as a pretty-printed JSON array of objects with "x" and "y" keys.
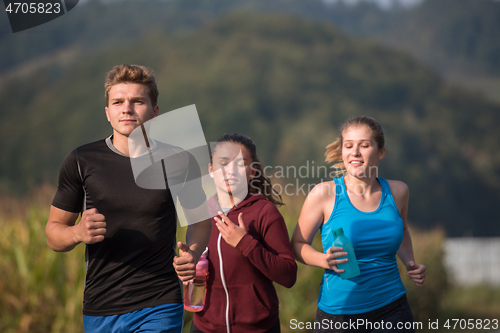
[{"x": 287, "y": 73}]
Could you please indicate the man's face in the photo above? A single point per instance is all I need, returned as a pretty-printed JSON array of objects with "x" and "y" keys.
[{"x": 129, "y": 106}]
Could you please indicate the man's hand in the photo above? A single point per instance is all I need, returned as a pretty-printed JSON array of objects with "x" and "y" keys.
[
  {"x": 92, "y": 227},
  {"x": 184, "y": 264}
]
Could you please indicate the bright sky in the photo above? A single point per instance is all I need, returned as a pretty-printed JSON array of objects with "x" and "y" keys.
[{"x": 383, "y": 3}]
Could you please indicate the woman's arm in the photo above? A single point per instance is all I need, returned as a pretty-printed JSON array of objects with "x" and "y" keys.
[
  {"x": 319, "y": 200},
  {"x": 416, "y": 272}
]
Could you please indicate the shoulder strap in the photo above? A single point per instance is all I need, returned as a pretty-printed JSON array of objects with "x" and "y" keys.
[
  {"x": 339, "y": 188},
  {"x": 386, "y": 192}
]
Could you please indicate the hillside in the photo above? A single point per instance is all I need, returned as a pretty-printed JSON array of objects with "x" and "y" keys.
[
  {"x": 457, "y": 38},
  {"x": 446, "y": 34},
  {"x": 288, "y": 83},
  {"x": 442, "y": 32}
]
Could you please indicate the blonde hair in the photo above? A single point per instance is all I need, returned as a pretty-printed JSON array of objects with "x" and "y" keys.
[
  {"x": 333, "y": 152},
  {"x": 132, "y": 74}
]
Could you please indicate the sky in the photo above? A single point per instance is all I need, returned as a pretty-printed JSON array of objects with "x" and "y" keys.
[{"x": 383, "y": 3}]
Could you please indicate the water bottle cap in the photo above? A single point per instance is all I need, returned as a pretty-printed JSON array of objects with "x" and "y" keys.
[
  {"x": 338, "y": 232},
  {"x": 202, "y": 264}
]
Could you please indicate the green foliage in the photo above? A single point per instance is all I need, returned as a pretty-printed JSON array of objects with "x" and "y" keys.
[
  {"x": 461, "y": 33},
  {"x": 442, "y": 32},
  {"x": 40, "y": 291},
  {"x": 288, "y": 83},
  {"x": 476, "y": 302}
]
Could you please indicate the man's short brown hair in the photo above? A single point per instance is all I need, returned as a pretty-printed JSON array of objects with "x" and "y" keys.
[{"x": 132, "y": 74}]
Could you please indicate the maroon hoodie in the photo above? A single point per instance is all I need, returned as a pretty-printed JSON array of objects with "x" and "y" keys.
[{"x": 262, "y": 256}]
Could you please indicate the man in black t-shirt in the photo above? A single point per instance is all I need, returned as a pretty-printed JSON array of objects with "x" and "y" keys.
[{"x": 132, "y": 282}]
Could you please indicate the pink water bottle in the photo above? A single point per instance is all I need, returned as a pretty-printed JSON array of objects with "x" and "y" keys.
[{"x": 195, "y": 292}]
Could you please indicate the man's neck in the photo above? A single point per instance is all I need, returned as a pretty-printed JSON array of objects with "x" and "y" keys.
[{"x": 120, "y": 142}]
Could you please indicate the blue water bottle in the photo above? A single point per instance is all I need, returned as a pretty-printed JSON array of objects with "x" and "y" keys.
[{"x": 351, "y": 268}]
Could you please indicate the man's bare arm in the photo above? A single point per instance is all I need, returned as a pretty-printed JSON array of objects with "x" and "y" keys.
[{"x": 63, "y": 235}]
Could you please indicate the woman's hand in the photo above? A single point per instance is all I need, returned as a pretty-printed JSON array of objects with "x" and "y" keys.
[
  {"x": 331, "y": 258},
  {"x": 231, "y": 232},
  {"x": 416, "y": 272}
]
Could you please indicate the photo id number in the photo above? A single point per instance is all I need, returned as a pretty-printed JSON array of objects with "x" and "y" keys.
[
  {"x": 478, "y": 324},
  {"x": 33, "y": 8}
]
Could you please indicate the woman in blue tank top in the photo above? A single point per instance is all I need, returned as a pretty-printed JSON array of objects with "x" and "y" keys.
[{"x": 372, "y": 212}]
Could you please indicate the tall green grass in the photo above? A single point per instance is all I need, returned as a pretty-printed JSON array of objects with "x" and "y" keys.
[{"x": 41, "y": 291}]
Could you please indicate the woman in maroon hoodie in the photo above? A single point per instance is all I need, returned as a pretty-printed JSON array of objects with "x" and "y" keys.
[{"x": 249, "y": 247}]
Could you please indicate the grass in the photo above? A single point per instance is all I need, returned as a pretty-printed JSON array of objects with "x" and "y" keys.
[
  {"x": 41, "y": 291},
  {"x": 476, "y": 302}
]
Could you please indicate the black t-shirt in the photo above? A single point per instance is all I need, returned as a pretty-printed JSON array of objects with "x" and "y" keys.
[{"x": 132, "y": 268}]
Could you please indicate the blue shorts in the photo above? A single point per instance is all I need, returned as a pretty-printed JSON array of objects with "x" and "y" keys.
[{"x": 166, "y": 318}]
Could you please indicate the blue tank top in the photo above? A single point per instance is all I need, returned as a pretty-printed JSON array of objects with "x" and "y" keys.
[{"x": 376, "y": 237}]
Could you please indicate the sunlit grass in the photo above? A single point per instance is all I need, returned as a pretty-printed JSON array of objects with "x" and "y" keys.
[
  {"x": 41, "y": 291},
  {"x": 477, "y": 302}
]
